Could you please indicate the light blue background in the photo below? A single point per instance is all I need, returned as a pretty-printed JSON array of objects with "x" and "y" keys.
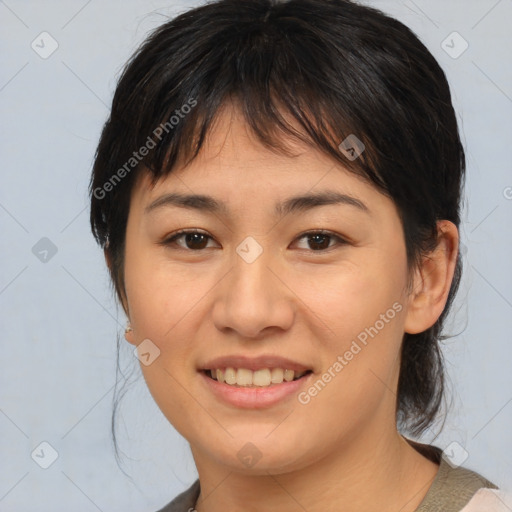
[{"x": 59, "y": 319}]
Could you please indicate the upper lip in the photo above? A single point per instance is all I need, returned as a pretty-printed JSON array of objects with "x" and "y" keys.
[{"x": 254, "y": 363}]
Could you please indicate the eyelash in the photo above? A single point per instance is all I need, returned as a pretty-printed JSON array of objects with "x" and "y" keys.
[{"x": 172, "y": 239}]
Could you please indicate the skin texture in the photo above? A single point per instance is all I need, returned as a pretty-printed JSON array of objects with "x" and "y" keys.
[{"x": 340, "y": 451}]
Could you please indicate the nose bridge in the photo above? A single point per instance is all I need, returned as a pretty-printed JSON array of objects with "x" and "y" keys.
[
  {"x": 251, "y": 271},
  {"x": 252, "y": 297}
]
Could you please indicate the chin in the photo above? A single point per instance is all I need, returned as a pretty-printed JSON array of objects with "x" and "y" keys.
[{"x": 261, "y": 454}]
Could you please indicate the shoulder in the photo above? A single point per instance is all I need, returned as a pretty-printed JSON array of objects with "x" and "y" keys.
[
  {"x": 184, "y": 502},
  {"x": 490, "y": 500},
  {"x": 455, "y": 488}
]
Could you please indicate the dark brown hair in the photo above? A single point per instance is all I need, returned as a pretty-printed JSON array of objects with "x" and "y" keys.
[{"x": 335, "y": 68}]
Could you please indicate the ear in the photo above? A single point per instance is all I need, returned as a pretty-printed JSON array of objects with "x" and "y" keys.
[
  {"x": 432, "y": 280},
  {"x": 128, "y": 335}
]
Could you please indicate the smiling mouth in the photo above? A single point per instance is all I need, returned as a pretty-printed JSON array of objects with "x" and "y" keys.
[{"x": 263, "y": 378}]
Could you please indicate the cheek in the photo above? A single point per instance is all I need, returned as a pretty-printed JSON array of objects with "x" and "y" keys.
[
  {"x": 359, "y": 336},
  {"x": 162, "y": 302},
  {"x": 360, "y": 367},
  {"x": 352, "y": 297},
  {"x": 160, "y": 294},
  {"x": 167, "y": 306}
]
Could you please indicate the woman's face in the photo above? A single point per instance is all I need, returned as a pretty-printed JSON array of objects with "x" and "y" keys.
[{"x": 255, "y": 295}]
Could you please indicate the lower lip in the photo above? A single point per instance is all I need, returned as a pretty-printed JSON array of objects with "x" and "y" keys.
[{"x": 255, "y": 397}]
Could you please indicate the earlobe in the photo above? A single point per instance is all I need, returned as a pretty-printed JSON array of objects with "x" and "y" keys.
[
  {"x": 432, "y": 281},
  {"x": 128, "y": 334}
]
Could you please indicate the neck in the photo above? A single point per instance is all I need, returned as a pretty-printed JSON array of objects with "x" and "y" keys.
[{"x": 377, "y": 472}]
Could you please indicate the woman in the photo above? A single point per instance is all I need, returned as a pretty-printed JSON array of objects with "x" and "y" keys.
[{"x": 277, "y": 191}]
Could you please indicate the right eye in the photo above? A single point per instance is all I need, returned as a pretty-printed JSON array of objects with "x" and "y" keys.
[{"x": 194, "y": 240}]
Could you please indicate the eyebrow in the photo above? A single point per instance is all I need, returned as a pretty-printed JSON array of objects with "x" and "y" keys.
[{"x": 295, "y": 204}]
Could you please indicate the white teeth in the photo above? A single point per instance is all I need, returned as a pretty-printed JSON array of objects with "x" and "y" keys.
[
  {"x": 230, "y": 376},
  {"x": 288, "y": 375},
  {"x": 244, "y": 377},
  {"x": 277, "y": 375},
  {"x": 259, "y": 378}
]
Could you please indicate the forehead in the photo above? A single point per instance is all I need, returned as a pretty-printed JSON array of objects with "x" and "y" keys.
[{"x": 234, "y": 166}]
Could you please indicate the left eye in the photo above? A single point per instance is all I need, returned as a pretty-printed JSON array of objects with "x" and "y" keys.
[
  {"x": 197, "y": 240},
  {"x": 320, "y": 240}
]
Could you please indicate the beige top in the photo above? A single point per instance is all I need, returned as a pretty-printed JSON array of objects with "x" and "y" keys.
[{"x": 452, "y": 489}]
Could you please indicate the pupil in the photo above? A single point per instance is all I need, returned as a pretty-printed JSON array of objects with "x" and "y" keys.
[
  {"x": 316, "y": 238},
  {"x": 193, "y": 238}
]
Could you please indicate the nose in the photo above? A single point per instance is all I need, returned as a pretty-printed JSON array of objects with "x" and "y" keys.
[{"x": 253, "y": 298}]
